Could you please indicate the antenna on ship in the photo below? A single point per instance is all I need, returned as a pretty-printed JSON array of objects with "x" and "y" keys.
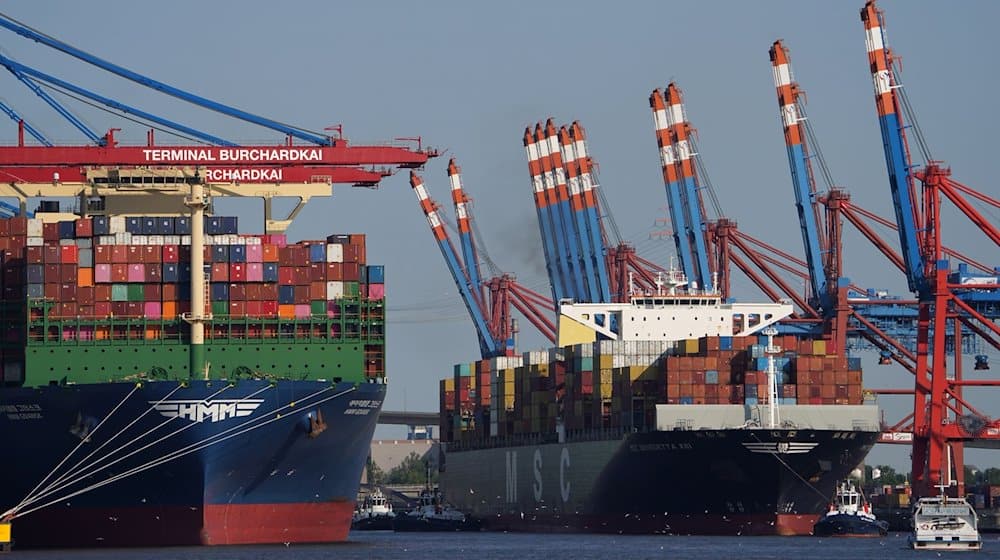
[{"x": 772, "y": 376}]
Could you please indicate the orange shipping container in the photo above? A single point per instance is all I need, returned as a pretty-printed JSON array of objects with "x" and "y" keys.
[
  {"x": 286, "y": 311},
  {"x": 85, "y": 277},
  {"x": 169, "y": 309}
]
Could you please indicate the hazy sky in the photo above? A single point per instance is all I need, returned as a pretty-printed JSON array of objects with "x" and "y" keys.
[{"x": 469, "y": 76}]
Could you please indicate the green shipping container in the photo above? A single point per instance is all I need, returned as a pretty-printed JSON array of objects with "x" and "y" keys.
[
  {"x": 135, "y": 292},
  {"x": 119, "y": 292},
  {"x": 318, "y": 307},
  {"x": 352, "y": 289},
  {"x": 220, "y": 308}
]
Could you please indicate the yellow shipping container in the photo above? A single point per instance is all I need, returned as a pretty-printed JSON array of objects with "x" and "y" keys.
[
  {"x": 605, "y": 361},
  {"x": 819, "y": 348},
  {"x": 691, "y": 346},
  {"x": 449, "y": 384}
]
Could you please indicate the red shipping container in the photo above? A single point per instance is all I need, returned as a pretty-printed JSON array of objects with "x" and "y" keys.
[
  {"x": 253, "y": 292},
  {"x": 170, "y": 254},
  {"x": 85, "y": 295},
  {"x": 119, "y": 308},
  {"x": 102, "y": 292},
  {"x": 135, "y": 254},
  {"x": 317, "y": 272},
  {"x": 67, "y": 292},
  {"x": 352, "y": 272},
  {"x": 169, "y": 292},
  {"x": 119, "y": 272},
  {"x": 317, "y": 290},
  {"x": 238, "y": 272},
  {"x": 135, "y": 308},
  {"x": 152, "y": 253},
  {"x": 102, "y": 254},
  {"x": 269, "y": 253},
  {"x": 334, "y": 271},
  {"x": 68, "y": 272},
  {"x": 220, "y": 272},
  {"x": 286, "y": 275},
  {"x": 102, "y": 309},
  {"x": 84, "y": 227},
  {"x": 154, "y": 273},
  {"x": 269, "y": 292},
  {"x": 18, "y": 225},
  {"x": 302, "y": 276},
  {"x": 302, "y": 295},
  {"x": 270, "y": 308},
  {"x": 51, "y": 290},
  {"x": 300, "y": 255},
  {"x": 237, "y": 309},
  {"x": 34, "y": 255},
  {"x": 52, "y": 254},
  {"x": 119, "y": 254},
  {"x": 237, "y": 292},
  {"x": 152, "y": 292},
  {"x": 67, "y": 310},
  {"x": 50, "y": 231},
  {"x": 255, "y": 308},
  {"x": 53, "y": 273}
]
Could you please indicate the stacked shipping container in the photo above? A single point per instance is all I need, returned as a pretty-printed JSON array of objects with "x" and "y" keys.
[
  {"x": 617, "y": 384},
  {"x": 109, "y": 279}
]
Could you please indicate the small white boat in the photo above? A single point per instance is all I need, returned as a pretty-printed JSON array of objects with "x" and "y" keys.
[{"x": 943, "y": 523}]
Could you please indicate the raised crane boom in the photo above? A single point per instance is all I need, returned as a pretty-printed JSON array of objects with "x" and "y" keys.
[
  {"x": 897, "y": 157},
  {"x": 668, "y": 161},
  {"x": 544, "y": 218},
  {"x": 579, "y": 214},
  {"x": 696, "y": 221},
  {"x": 461, "y": 201},
  {"x": 804, "y": 187},
  {"x": 589, "y": 187},
  {"x": 571, "y": 237},
  {"x": 146, "y": 81},
  {"x": 487, "y": 345}
]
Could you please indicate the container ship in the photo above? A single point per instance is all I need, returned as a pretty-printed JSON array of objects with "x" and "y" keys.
[
  {"x": 674, "y": 413},
  {"x": 125, "y": 423}
]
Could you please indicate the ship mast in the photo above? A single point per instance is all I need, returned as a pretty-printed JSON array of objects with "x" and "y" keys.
[{"x": 772, "y": 376}]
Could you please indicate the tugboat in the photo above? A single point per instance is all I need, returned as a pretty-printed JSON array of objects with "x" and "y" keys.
[
  {"x": 432, "y": 514},
  {"x": 849, "y": 516},
  {"x": 374, "y": 514},
  {"x": 944, "y": 523}
]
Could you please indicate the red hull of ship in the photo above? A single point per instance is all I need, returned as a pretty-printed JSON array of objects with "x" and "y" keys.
[{"x": 185, "y": 526}]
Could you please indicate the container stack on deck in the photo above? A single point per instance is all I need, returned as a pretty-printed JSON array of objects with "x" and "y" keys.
[
  {"x": 90, "y": 283},
  {"x": 617, "y": 384}
]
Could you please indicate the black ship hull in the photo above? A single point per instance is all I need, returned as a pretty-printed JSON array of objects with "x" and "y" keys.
[
  {"x": 725, "y": 481},
  {"x": 847, "y": 525}
]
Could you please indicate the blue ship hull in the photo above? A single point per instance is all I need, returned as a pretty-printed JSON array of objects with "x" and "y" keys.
[
  {"x": 204, "y": 462},
  {"x": 847, "y": 525}
]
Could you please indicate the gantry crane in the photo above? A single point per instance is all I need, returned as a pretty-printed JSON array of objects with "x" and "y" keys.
[
  {"x": 942, "y": 419},
  {"x": 490, "y": 315},
  {"x": 152, "y": 179}
]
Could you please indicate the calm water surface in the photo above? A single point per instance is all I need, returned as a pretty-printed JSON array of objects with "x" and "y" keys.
[{"x": 513, "y": 546}]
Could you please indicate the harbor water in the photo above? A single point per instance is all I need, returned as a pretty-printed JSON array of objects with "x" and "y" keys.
[{"x": 520, "y": 546}]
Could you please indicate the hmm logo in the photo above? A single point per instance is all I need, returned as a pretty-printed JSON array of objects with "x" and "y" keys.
[{"x": 213, "y": 411}]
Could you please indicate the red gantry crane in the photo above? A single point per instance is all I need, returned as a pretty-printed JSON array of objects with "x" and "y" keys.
[{"x": 152, "y": 179}]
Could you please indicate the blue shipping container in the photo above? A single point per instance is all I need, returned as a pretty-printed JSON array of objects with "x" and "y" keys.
[
  {"x": 376, "y": 274},
  {"x": 220, "y": 253},
  {"x": 286, "y": 295},
  {"x": 270, "y": 272},
  {"x": 102, "y": 225},
  {"x": 220, "y": 291},
  {"x": 229, "y": 225},
  {"x": 317, "y": 253},
  {"x": 133, "y": 225},
  {"x": 182, "y": 226},
  {"x": 67, "y": 230},
  {"x": 165, "y": 226},
  {"x": 237, "y": 253},
  {"x": 170, "y": 273}
]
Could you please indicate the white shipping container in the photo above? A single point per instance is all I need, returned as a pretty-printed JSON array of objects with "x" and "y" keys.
[
  {"x": 334, "y": 290},
  {"x": 140, "y": 240},
  {"x": 35, "y": 227},
  {"x": 185, "y": 240},
  {"x": 67, "y": 242},
  {"x": 116, "y": 225},
  {"x": 171, "y": 240},
  {"x": 105, "y": 240},
  {"x": 124, "y": 238},
  {"x": 36, "y": 241},
  {"x": 334, "y": 252},
  {"x": 254, "y": 241},
  {"x": 155, "y": 240}
]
